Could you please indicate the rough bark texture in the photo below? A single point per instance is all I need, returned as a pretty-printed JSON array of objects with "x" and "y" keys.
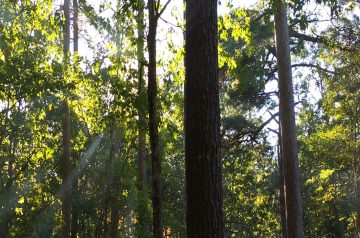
[
  {"x": 202, "y": 122},
  {"x": 153, "y": 121},
  {"x": 142, "y": 181},
  {"x": 74, "y": 215},
  {"x": 288, "y": 129},
  {"x": 65, "y": 163}
]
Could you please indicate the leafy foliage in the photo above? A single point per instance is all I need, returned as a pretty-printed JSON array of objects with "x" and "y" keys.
[{"x": 102, "y": 85}]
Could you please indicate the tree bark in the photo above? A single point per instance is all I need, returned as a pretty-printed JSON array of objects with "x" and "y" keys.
[
  {"x": 115, "y": 184},
  {"x": 65, "y": 171},
  {"x": 74, "y": 215},
  {"x": 141, "y": 107},
  {"x": 202, "y": 122},
  {"x": 5, "y": 191},
  {"x": 153, "y": 121},
  {"x": 5, "y": 223},
  {"x": 288, "y": 129},
  {"x": 76, "y": 25},
  {"x": 67, "y": 5},
  {"x": 65, "y": 164},
  {"x": 356, "y": 171},
  {"x": 281, "y": 189}
]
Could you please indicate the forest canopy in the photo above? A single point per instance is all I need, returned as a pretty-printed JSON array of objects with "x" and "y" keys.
[{"x": 169, "y": 118}]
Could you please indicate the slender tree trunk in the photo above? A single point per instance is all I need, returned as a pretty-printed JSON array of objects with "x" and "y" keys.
[
  {"x": 288, "y": 129},
  {"x": 65, "y": 171},
  {"x": 74, "y": 215},
  {"x": 114, "y": 221},
  {"x": 142, "y": 181},
  {"x": 356, "y": 179},
  {"x": 5, "y": 223},
  {"x": 153, "y": 121},
  {"x": 65, "y": 164},
  {"x": 357, "y": 209},
  {"x": 67, "y": 6},
  {"x": 5, "y": 192},
  {"x": 76, "y": 25},
  {"x": 104, "y": 230},
  {"x": 115, "y": 182},
  {"x": 202, "y": 122},
  {"x": 356, "y": 172},
  {"x": 281, "y": 189},
  {"x": 357, "y": 197}
]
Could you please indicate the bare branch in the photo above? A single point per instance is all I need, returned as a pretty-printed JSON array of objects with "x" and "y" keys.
[
  {"x": 312, "y": 66},
  {"x": 167, "y": 22},
  {"x": 158, "y": 14}
]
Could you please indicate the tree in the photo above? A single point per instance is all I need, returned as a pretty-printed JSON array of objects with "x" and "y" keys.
[
  {"x": 74, "y": 214},
  {"x": 202, "y": 122},
  {"x": 65, "y": 162},
  {"x": 288, "y": 129},
  {"x": 153, "y": 121},
  {"x": 141, "y": 108},
  {"x": 105, "y": 91},
  {"x": 154, "y": 15}
]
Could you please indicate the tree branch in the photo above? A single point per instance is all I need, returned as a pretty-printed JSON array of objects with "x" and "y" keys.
[
  {"x": 172, "y": 24},
  {"x": 158, "y": 14},
  {"x": 318, "y": 39},
  {"x": 312, "y": 66}
]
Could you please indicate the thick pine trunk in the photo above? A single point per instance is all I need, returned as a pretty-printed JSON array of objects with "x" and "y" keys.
[
  {"x": 202, "y": 122},
  {"x": 141, "y": 106},
  {"x": 288, "y": 129},
  {"x": 153, "y": 122},
  {"x": 65, "y": 164}
]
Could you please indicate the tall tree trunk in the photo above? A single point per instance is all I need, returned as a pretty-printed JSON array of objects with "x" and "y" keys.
[
  {"x": 202, "y": 122},
  {"x": 115, "y": 183},
  {"x": 76, "y": 25},
  {"x": 67, "y": 6},
  {"x": 65, "y": 171},
  {"x": 356, "y": 178},
  {"x": 281, "y": 188},
  {"x": 142, "y": 181},
  {"x": 74, "y": 215},
  {"x": 5, "y": 223},
  {"x": 287, "y": 121},
  {"x": 5, "y": 191},
  {"x": 153, "y": 121},
  {"x": 103, "y": 229},
  {"x": 65, "y": 164}
]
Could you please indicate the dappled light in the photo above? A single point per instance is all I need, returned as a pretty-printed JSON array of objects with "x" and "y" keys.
[{"x": 168, "y": 118}]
